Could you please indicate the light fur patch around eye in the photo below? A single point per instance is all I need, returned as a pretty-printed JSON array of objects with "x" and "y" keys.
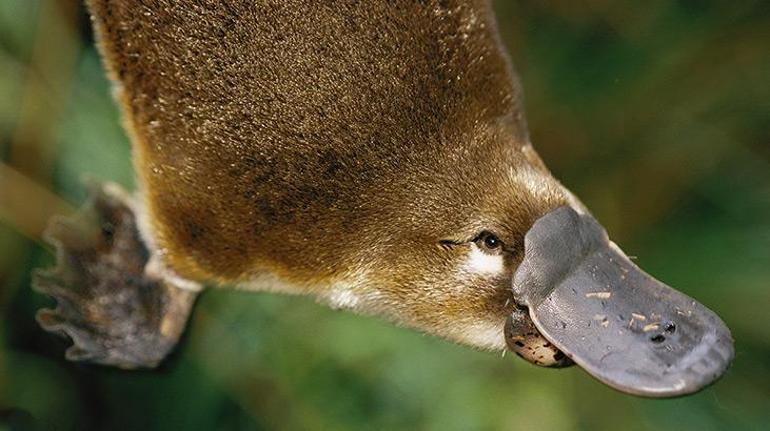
[{"x": 483, "y": 263}]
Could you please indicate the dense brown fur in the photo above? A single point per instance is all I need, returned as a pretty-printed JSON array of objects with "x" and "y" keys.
[{"x": 330, "y": 144}]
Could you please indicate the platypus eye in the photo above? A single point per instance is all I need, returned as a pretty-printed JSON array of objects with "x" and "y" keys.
[{"x": 489, "y": 242}]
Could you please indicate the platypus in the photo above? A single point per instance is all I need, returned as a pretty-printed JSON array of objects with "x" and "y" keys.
[{"x": 374, "y": 155}]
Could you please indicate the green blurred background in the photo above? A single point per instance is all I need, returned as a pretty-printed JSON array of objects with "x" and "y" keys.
[{"x": 656, "y": 113}]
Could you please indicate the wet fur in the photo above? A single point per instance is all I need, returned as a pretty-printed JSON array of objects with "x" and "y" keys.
[{"x": 329, "y": 148}]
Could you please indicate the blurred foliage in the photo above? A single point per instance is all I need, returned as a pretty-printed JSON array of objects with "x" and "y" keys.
[{"x": 656, "y": 113}]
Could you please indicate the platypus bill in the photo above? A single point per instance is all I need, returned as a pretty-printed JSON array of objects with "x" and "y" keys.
[{"x": 371, "y": 154}]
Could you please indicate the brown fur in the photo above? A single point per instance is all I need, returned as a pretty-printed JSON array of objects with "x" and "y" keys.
[{"x": 313, "y": 140}]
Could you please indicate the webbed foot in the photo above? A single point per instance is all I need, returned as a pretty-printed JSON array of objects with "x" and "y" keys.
[{"x": 112, "y": 310}]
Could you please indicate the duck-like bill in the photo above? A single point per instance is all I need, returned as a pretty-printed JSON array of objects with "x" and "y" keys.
[{"x": 615, "y": 321}]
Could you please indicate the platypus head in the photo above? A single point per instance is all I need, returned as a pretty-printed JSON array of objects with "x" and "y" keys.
[{"x": 493, "y": 252}]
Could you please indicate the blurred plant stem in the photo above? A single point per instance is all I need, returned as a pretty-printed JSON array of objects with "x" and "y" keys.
[
  {"x": 26, "y": 205},
  {"x": 47, "y": 83}
]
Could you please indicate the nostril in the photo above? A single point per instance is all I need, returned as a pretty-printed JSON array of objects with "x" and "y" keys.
[{"x": 658, "y": 338}]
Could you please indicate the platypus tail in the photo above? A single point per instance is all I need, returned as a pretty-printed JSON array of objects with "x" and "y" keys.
[{"x": 114, "y": 312}]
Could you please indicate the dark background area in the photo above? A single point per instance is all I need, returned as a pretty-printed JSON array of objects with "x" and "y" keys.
[{"x": 656, "y": 113}]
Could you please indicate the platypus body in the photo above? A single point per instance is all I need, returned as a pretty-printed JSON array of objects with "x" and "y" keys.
[{"x": 374, "y": 155}]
